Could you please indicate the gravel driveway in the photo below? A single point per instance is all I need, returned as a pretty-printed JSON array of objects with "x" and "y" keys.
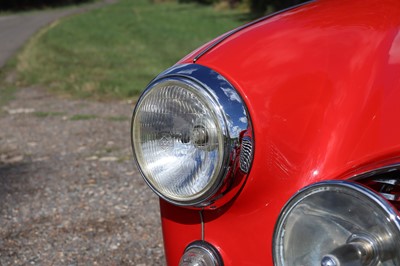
[{"x": 69, "y": 191}]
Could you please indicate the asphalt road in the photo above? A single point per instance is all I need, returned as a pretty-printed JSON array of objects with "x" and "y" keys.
[
  {"x": 69, "y": 191},
  {"x": 15, "y": 30},
  {"x": 70, "y": 194}
]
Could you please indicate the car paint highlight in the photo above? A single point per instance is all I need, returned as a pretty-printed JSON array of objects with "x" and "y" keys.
[{"x": 322, "y": 85}]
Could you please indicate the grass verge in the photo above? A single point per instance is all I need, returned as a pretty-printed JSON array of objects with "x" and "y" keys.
[
  {"x": 116, "y": 50},
  {"x": 6, "y": 95},
  {"x": 82, "y": 117},
  {"x": 7, "y": 83}
]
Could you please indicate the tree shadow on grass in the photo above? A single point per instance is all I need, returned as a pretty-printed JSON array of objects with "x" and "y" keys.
[{"x": 25, "y": 5}]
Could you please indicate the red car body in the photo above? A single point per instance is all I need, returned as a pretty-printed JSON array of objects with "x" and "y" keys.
[{"x": 321, "y": 82}]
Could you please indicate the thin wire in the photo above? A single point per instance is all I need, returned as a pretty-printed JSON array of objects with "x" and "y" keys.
[{"x": 202, "y": 225}]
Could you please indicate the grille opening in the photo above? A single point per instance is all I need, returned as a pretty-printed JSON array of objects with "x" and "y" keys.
[
  {"x": 386, "y": 183},
  {"x": 246, "y": 154}
]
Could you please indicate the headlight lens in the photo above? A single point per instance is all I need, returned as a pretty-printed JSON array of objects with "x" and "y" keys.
[
  {"x": 183, "y": 137},
  {"x": 337, "y": 223},
  {"x": 179, "y": 143}
]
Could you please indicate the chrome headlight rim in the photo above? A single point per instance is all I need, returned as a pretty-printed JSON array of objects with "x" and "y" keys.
[
  {"x": 371, "y": 197},
  {"x": 223, "y": 98},
  {"x": 201, "y": 249}
]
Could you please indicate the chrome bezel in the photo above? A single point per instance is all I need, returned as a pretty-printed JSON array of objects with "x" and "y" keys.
[
  {"x": 364, "y": 192},
  {"x": 234, "y": 121},
  {"x": 208, "y": 249}
]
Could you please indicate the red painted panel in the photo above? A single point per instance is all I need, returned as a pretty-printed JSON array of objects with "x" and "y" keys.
[{"x": 322, "y": 84}]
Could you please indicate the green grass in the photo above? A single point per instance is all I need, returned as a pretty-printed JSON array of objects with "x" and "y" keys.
[
  {"x": 48, "y": 114},
  {"x": 118, "y": 118},
  {"x": 6, "y": 94},
  {"x": 8, "y": 86},
  {"x": 82, "y": 117},
  {"x": 115, "y": 51}
]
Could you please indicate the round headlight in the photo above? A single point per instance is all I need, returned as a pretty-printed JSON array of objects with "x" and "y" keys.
[
  {"x": 337, "y": 223},
  {"x": 183, "y": 136}
]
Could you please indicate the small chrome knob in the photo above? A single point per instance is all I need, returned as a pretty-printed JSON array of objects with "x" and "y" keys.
[{"x": 329, "y": 261}]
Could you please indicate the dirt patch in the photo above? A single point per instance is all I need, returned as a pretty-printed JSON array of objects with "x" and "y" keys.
[{"x": 69, "y": 191}]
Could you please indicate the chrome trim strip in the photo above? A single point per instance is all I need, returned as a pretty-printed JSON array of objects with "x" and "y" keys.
[
  {"x": 391, "y": 197},
  {"x": 229, "y": 34},
  {"x": 375, "y": 172},
  {"x": 392, "y": 182}
]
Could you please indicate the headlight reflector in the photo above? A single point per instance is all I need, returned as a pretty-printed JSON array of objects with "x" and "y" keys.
[
  {"x": 186, "y": 133},
  {"x": 337, "y": 223},
  {"x": 179, "y": 140}
]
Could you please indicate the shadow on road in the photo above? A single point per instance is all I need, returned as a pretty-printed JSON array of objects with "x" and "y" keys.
[{"x": 15, "y": 184}]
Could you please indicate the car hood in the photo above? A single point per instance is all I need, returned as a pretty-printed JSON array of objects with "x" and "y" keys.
[{"x": 321, "y": 82}]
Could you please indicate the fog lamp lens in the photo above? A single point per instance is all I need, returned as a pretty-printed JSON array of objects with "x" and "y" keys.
[
  {"x": 337, "y": 223},
  {"x": 200, "y": 253}
]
